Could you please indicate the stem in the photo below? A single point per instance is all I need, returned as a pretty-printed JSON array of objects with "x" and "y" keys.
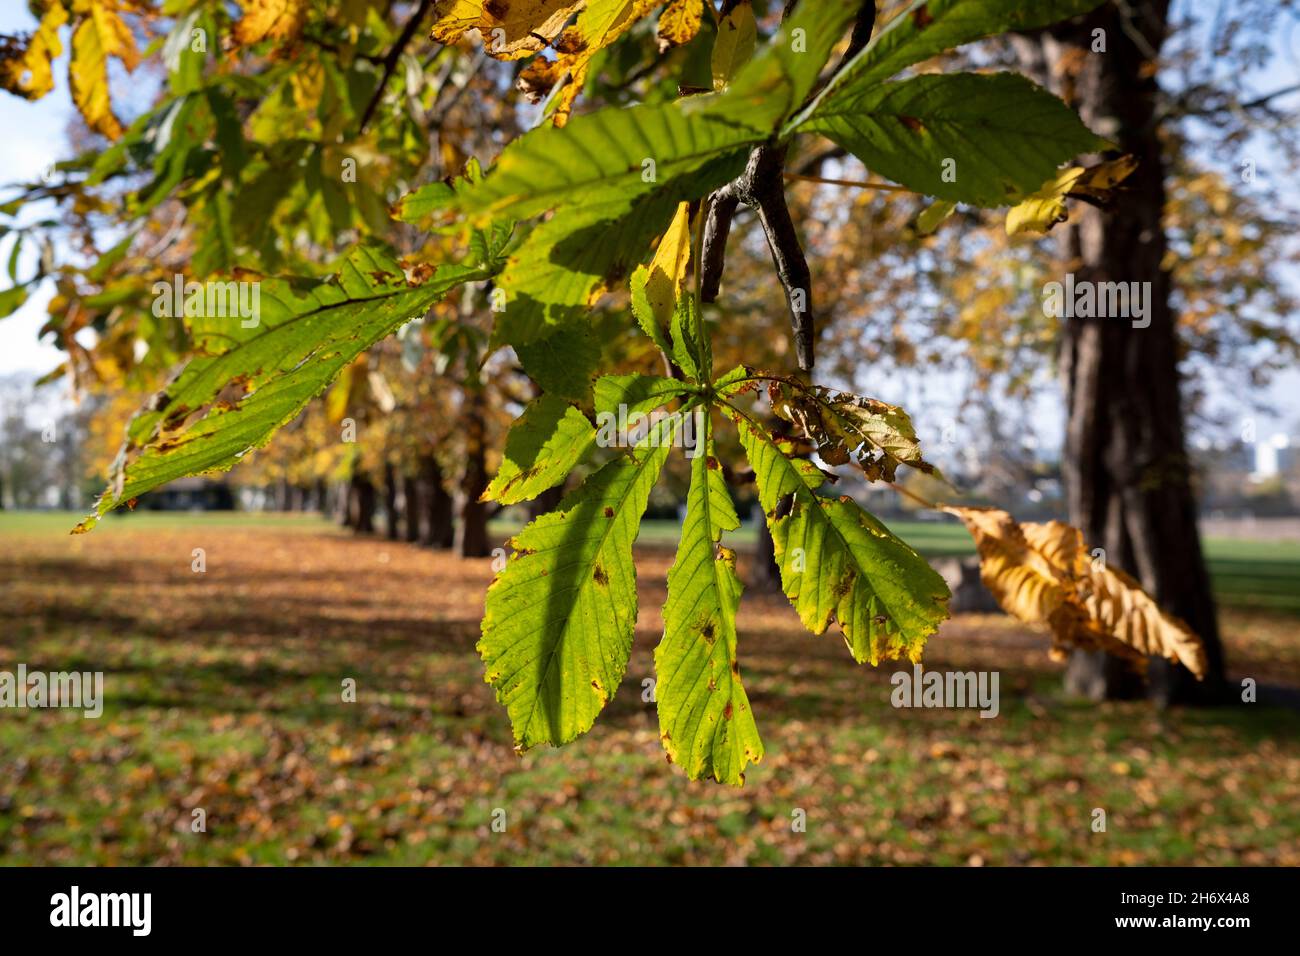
[{"x": 884, "y": 187}]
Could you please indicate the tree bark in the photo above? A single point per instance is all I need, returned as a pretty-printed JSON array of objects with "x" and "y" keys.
[
  {"x": 473, "y": 541},
  {"x": 436, "y": 527},
  {"x": 410, "y": 507},
  {"x": 1125, "y": 464},
  {"x": 766, "y": 575},
  {"x": 361, "y": 505},
  {"x": 390, "y": 501}
]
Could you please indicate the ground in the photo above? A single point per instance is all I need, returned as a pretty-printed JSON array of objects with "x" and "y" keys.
[{"x": 224, "y": 693}]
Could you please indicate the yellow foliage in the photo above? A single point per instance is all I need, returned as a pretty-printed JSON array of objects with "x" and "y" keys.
[
  {"x": 278, "y": 20},
  {"x": 1045, "y": 208},
  {"x": 25, "y": 70},
  {"x": 680, "y": 22},
  {"x": 1041, "y": 573},
  {"x": 668, "y": 267}
]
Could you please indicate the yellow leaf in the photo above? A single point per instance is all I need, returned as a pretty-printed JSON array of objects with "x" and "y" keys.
[
  {"x": 278, "y": 20},
  {"x": 1045, "y": 208},
  {"x": 668, "y": 267},
  {"x": 511, "y": 29},
  {"x": 679, "y": 23},
  {"x": 600, "y": 24},
  {"x": 99, "y": 34},
  {"x": 25, "y": 70},
  {"x": 737, "y": 37},
  {"x": 1042, "y": 573}
]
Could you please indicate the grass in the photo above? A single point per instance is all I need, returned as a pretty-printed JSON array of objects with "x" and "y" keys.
[{"x": 224, "y": 694}]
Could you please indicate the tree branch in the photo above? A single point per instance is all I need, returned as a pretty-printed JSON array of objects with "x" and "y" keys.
[{"x": 390, "y": 61}]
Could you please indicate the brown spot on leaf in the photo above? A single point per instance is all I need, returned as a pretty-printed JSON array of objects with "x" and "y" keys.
[
  {"x": 707, "y": 632},
  {"x": 921, "y": 17},
  {"x": 726, "y": 712},
  {"x": 912, "y": 123},
  {"x": 601, "y": 577},
  {"x": 711, "y": 463},
  {"x": 609, "y": 512}
]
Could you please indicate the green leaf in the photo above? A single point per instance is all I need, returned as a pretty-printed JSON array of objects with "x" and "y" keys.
[
  {"x": 933, "y": 216},
  {"x": 558, "y": 622},
  {"x": 562, "y": 267},
  {"x": 705, "y": 720},
  {"x": 563, "y": 362},
  {"x": 691, "y": 348},
  {"x": 623, "y": 153},
  {"x": 737, "y": 37},
  {"x": 990, "y": 140},
  {"x": 839, "y": 562},
  {"x": 12, "y": 299},
  {"x": 543, "y": 446},
  {"x": 637, "y": 393},
  {"x": 249, "y": 381},
  {"x": 926, "y": 28}
]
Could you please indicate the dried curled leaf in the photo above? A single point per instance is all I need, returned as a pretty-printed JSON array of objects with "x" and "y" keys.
[
  {"x": 1045, "y": 208},
  {"x": 600, "y": 23},
  {"x": 511, "y": 29},
  {"x": 876, "y": 436},
  {"x": 1042, "y": 573}
]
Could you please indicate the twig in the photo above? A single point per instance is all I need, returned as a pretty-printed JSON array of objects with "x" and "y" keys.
[
  {"x": 390, "y": 61},
  {"x": 885, "y": 187}
]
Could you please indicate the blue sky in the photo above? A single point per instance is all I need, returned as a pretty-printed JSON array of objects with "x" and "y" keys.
[{"x": 35, "y": 136}]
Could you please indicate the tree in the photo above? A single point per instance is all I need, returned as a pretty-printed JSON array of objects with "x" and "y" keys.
[{"x": 568, "y": 211}]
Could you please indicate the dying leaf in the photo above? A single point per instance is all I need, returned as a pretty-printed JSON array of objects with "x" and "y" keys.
[
  {"x": 840, "y": 563},
  {"x": 600, "y": 23},
  {"x": 1045, "y": 208},
  {"x": 874, "y": 435},
  {"x": 25, "y": 67},
  {"x": 99, "y": 34},
  {"x": 510, "y": 29},
  {"x": 278, "y": 20},
  {"x": 1042, "y": 573},
  {"x": 679, "y": 23}
]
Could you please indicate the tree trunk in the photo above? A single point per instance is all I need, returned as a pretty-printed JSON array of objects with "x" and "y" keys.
[
  {"x": 410, "y": 507},
  {"x": 1125, "y": 465},
  {"x": 766, "y": 575},
  {"x": 436, "y": 527},
  {"x": 473, "y": 541},
  {"x": 546, "y": 501},
  {"x": 390, "y": 501},
  {"x": 361, "y": 505}
]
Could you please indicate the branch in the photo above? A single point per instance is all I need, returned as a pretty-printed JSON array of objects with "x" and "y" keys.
[
  {"x": 717, "y": 225},
  {"x": 390, "y": 61},
  {"x": 762, "y": 186},
  {"x": 885, "y": 187}
]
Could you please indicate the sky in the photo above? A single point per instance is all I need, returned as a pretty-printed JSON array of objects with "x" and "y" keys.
[{"x": 34, "y": 137}]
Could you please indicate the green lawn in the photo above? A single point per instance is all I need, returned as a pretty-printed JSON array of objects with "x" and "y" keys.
[
  {"x": 1245, "y": 574},
  {"x": 223, "y": 693}
]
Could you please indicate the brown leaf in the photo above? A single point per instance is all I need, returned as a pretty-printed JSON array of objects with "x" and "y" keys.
[{"x": 1042, "y": 573}]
